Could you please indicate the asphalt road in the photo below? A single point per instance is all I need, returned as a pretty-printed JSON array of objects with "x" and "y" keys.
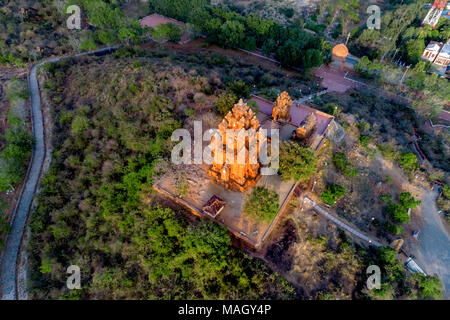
[
  {"x": 13, "y": 241},
  {"x": 432, "y": 249},
  {"x": 10, "y": 254}
]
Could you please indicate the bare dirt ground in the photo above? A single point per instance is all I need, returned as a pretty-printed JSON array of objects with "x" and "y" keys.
[{"x": 313, "y": 255}]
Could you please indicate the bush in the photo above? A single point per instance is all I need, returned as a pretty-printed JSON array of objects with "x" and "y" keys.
[
  {"x": 253, "y": 105},
  {"x": 332, "y": 193},
  {"x": 332, "y": 108},
  {"x": 408, "y": 201},
  {"x": 79, "y": 124},
  {"x": 5, "y": 228},
  {"x": 296, "y": 162},
  {"x": 364, "y": 140},
  {"x": 386, "y": 198},
  {"x": 174, "y": 32},
  {"x": 272, "y": 93},
  {"x": 340, "y": 161},
  {"x": 393, "y": 228},
  {"x": 262, "y": 204},
  {"x": 225, "y": 102},
  {"x": 430, "y": 287},
  {"x": 240, "y": 89},
  {"x": 189, "y": 112},
  {"x": 398, "y": 213},
  {"x": 388, "y": 151},
  {"x": 14, "y": 155},
  {"x": 409, "y": 161}
]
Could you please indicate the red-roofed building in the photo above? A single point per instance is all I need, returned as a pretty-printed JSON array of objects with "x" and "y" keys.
[
  {"x": 299, "y": 113},
  {"x": 155, "y": 20}
]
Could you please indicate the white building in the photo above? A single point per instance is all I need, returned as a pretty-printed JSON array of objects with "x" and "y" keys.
[
  {"x": 432, "y": 51},
  {"x": 443, "y": 58}
]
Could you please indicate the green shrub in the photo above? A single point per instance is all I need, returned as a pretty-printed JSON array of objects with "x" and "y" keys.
[
  {"x": 272, "y": 93},
  {"x": 262, "y": 204},
  {"x": 430, "y": 287},
  {"x": 189, "y": 112},
  {"x": 174, "y": 32},
  {"x": 446, "y": 190},
  {"x": 253, "y": 105},
  {"x": 388, "y": 151},
  {"x": 398, "y": 213},
  {"x": 386, "y": 198},
  {"x": 14, "y": 155},
  {"x": 408, "y": 201},
  {"x": 393, "y": 228},
  {"x": 363, "y": 126},
  {"x": 365, "y": 140},
  {"x": 225, "y": 102},
  {"x": 340, "y": 161},
  {"x": 240, "y": 89},
  {"x": 332, "y": 108},
  {"x": 409, "y": 161},
  {"x": 296, "y": 162},
  {"x": 106, "y": 37},
  {"x": 332, "y": 193},
  {"x": 5, "y": 228},
  {"x": 79, "y": 124}
]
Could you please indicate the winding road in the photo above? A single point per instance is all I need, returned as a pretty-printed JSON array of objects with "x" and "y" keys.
[
  {"x": 12, "y": 249},
  {"x": 432, "y": 249},
  {"x": 13, "y": 241}
]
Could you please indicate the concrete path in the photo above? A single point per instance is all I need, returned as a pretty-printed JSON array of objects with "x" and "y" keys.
[
  {"x": 341, "y": 224},
  {"x": 11, "y": 251},
  {"x": 309, "y": 97}
]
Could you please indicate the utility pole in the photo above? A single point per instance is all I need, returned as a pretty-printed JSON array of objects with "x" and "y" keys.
[
  {"x": 348, "y": 37},
  {"x": 404, "y": 74}
]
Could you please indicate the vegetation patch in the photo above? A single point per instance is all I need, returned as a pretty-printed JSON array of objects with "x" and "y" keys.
[
  {"x": 332, "y": 193},
  {"x": 340, "y": 161},
  {"x": 296, "y": 162},
  {"x": 97, "y": 208},
  {"x": 262, "y": 204}
]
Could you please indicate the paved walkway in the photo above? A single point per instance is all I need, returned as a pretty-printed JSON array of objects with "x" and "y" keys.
[
  {"x": 334, "y": 80},
  {"x": 341, "y": 224},
  {"x": 11, "y": 251},
  {"x": 14, "y": 239},
  {"x": 309, "y": 97}
]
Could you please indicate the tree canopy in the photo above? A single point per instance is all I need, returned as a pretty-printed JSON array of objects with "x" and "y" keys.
[{"x": 296, "y": 162}]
